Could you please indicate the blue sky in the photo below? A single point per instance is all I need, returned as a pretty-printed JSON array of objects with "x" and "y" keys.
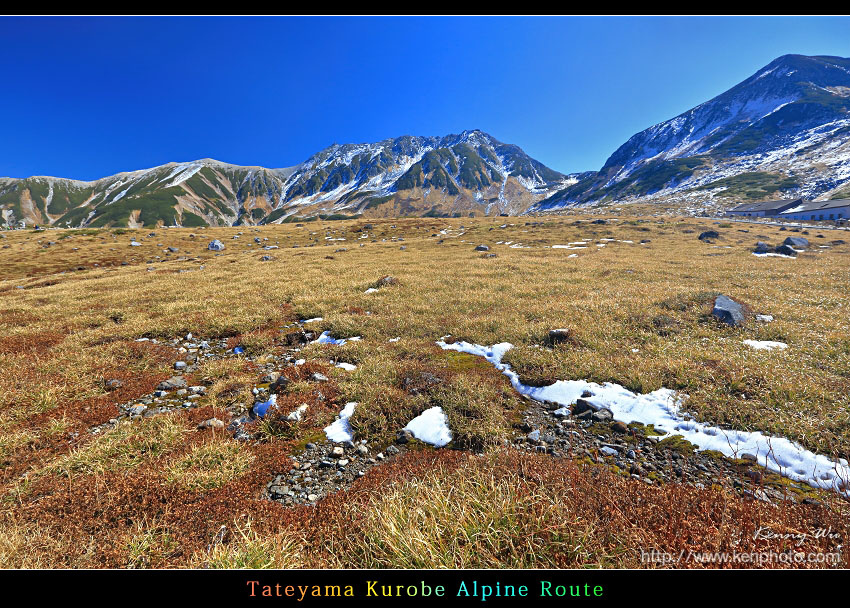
[{"x": 88, "y": 97}]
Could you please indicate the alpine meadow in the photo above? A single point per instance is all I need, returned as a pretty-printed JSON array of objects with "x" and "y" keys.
[{"x": 433, "y": 351}]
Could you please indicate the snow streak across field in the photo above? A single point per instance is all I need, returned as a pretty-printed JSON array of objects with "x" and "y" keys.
[{"x": 661, "y": 408}]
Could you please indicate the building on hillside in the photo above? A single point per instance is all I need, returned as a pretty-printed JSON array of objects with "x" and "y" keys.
[
  {"x": 765, "y": 209},
  {"x": 838, "y": 209}
]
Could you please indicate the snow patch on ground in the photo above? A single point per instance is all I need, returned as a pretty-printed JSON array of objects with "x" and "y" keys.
[
  {"x": 765, "y": 344},
  {"x": 662, "y": 408},
  {"x": 340, "y": 431},
  {"x": 326, "y": 338},
  {"x": 431, "y": 426}
]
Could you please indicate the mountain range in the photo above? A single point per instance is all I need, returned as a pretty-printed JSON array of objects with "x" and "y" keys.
[
  {"x": 784, "y": 131},
  {"x": 470, "y": 173}
]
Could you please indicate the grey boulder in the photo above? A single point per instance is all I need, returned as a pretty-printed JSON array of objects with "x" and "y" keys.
[
  {"x": 797, "y": 242},
  {"x": 728, "y": 310}
]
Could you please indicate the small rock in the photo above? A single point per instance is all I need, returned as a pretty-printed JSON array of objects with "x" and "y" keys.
[
  {"x": 113, "y": 384},
  {"x": 581, "y": 406},
  {"x": 270, "y": 378},
  {"x": 728, "y": 310},
  {"x": 211, "y": 423},
  {"x": 619, "y": 426},
  {"x": 602, "y": 415},
  {"x": 172, "y": 383}
]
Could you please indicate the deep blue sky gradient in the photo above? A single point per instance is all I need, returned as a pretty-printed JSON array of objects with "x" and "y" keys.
[{"x": 88, "y": 97}]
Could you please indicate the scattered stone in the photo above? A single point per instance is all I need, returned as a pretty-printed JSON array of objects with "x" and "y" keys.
[
  {"x": 113, "y": 384},
  {"x": 482, "y": 248},
  {"x": 728, "y": 310},
  {"x": 602, "y": 415},
  {"x": 581, "y": 406},
  {"x": 211, "y": 423},
  {"x": 215, "y": 245},
  {"x": 558, "y": 336},
  {"x": 270, "y": 378},
  {"x": 385, "y": 280},
  {"x": 709, "y": 235},
  {"x": 172, "y": 383},
  {"x": 619, "y": 426},
  {"x": 797, "y": 242}
]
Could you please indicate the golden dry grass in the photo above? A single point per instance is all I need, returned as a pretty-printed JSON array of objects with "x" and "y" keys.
[{"x": 67, "y": 331}]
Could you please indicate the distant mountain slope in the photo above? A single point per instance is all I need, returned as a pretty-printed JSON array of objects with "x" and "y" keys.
[
  {"x": 453, "y": 175},
  {"x": 785, "y": 129}
]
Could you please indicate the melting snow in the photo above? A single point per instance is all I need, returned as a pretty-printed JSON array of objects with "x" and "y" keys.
[
  {"x": 340, "y": 430},
  {"x": 661, "y": 408},
  {"x": 326, "y": 338},
  {"x": 431, "y": 426},
  {"x": 765, "y": 344}
]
